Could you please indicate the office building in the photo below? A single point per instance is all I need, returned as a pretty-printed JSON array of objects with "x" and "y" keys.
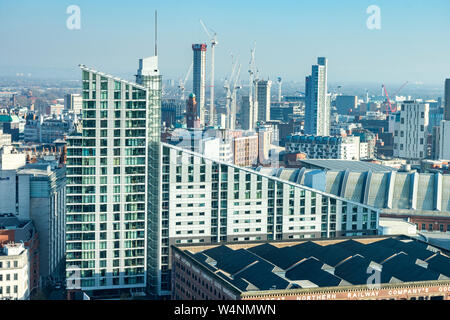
[
  {"x": 5, "y": 139},
  {"x": 444, "y": 140},
  {"x": 317, "y": 101},
  {"x": 246, "y": 113},
  {"x": 40, "y": 196},
  {"x": 346, "y": 104},
  {"x": 447, "y": 100},
  {"x": 345, "y": 269},
  {"x": 411, "y": 130},
  {"x": 262, "y": 94},
  {"x": 199, "y": 79},
  {"x": 73, "y": 102}
]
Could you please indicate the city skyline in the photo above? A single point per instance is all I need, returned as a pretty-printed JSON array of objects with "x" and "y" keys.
[{"x": 288, "y": 33}]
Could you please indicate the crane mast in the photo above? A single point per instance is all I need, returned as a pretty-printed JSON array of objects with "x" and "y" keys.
[{"x": 214, "y": 42}]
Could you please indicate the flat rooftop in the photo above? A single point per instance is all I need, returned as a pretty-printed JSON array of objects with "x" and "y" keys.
[
  {"x": 322, "y": 263},
  {"x": 340, "y": 165}
]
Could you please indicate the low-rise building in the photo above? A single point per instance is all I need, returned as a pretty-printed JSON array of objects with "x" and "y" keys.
[
  {"x": 369, "y": 268},
  {"x": 14, "y": 272},
  {"x": 13, "y": 230},
  {"x": 317, "y": 147}
]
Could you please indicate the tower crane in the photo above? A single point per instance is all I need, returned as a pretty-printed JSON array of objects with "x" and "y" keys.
[
  {"x": 235, "y": 88},
  {"x": 228, "y": 85},
  {"x": 214, "y": 42},
  {"x": 253, "y": 77},
  {"x": 388, "y": 103},
  {"x": 183, "y": 82}
]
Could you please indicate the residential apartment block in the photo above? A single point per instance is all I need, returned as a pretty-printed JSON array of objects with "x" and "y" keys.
[
  {"x": 411, "y": 130},
  {"x": 207, "y": 201},
  {"x": 318, "y": 147}
]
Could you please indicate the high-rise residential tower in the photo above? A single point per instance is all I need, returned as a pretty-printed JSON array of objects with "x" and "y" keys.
[
  {"x": 317, "y": 108},
  {"x": 262, "y": 95},
  {"x": 246, "y": 114},
  {"x": 199, "y": 78},
  {"x": 113, "y": 183},
  {"x": 447, "y": 100},
  {"x": 149, "y": 77}
]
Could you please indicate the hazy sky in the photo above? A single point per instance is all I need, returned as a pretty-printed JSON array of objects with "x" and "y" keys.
[{"x": 412, "y": 45}]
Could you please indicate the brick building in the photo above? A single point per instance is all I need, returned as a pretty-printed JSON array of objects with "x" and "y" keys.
[{"x": 369, "y": 268}]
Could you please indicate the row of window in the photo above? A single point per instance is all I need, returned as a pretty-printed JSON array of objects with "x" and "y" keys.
[{"x": 9, "y": 264}]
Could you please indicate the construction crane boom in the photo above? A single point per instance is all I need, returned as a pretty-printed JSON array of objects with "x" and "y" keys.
[{"x": 183, "y": 82}]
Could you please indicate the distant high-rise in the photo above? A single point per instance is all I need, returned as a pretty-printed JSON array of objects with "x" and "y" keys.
[
  {"x": 447, "y": 100},
  {"x": 200, "y": 78},
  {"x": 113, "y": 187},
  {"x": 191, "y": 112},
  {"x": 345, "y": 104},
  {"x": 317, "y": 108},
  {"x": 262, "y": 95},
  {"x": 411, "y": 130},
  {"x": 73, "y": 102},
  {"x": 246, "y": 114}
]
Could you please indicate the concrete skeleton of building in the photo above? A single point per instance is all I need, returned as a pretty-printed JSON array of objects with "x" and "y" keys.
[
  {"x": 411, "y": 130},
  {"x": 317, "y": 103}
]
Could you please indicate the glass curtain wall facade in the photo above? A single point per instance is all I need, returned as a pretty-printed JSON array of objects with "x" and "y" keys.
[{"x": 107, "y": 185}]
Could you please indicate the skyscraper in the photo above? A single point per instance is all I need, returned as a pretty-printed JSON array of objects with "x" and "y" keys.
[
  {"x": 317, "y": 108},
  {"x": 262, "y": 95},
  {"x": 246, "y": 113},
  {"x": 199, "y": 78},
  {"x": 447, "y": 100},
  {"x": 148, "y": 76},
  {"x": 191, "y": 113},
  {"x": 113, "y": 182}
]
